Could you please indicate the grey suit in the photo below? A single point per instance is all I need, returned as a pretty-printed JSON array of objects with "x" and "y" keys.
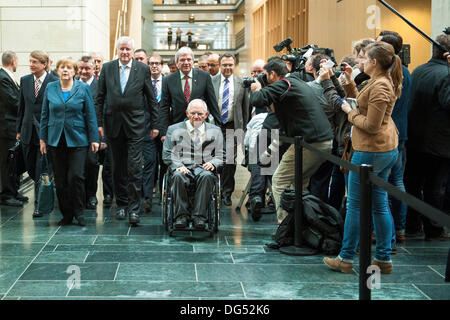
[
  {"x": 179, "y": 150},
  {"x": 240, "y": 101},
  {"x": 240, "y": 116}
]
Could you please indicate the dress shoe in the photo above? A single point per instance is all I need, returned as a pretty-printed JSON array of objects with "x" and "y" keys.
[
  {"x": 81, "y": 221},
  {"x": 385, "y": 267},
  {"x": 65, "y": 221},
  {"x": 107, "y": 201},
  {"x": 337, "y": 264},
  {"x": 256, "y": 205},
  {"x": 134, "y": 218},
  {"x": 227, "y": 201},
  {"x": 121, "y": 214},
  {"x": 11, "y": 202},
  {"x": 181, "y": 223},
  {"x": 22, "y": 198},
  {"x": 199, "y": 223},
  {"x": 92, "y": 203},
  {"x": 37, "y": 214},
  {"x": 147, "y": 205}
]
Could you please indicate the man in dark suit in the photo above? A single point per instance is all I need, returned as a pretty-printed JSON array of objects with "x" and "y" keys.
[
  {"x": 32, "y": 89},
  {"x": 9, "y": 105},
  {"x": 86, "y": 70},
  {"x": 232, "y": 99},
  {"x": 177, "y": 92},
  {"x": 193, "y": 150},
  {"x": 126, "y": 87}
]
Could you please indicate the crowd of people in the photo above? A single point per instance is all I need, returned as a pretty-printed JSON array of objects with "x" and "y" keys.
[{"x": 124, "y": 115}]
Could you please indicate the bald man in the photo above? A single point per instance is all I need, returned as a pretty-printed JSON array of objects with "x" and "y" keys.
[{"x": 213, "y": 64}]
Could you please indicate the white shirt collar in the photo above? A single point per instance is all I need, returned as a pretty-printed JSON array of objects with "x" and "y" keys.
[
  {"x": 222, "y": 78},
  {"x": 42, "y": 78},
  {"x": 183, "y": 75},
  {"x": 128, "y": 65},
  {"x": 158, "y": 79},
  {"x": 89, "y": 82},
  {"x": 191, "y": 128},
  {"x": 10, "y": 74}
]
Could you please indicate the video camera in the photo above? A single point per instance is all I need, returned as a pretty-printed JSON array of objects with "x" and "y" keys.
[
  {"x": 299, "y": 56},
  {"x": 262, "y": 78}
]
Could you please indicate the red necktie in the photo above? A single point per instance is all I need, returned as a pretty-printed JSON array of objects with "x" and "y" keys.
[{"x": 187, "y": 90}]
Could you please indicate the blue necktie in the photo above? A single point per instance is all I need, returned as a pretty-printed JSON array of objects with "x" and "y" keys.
[
  {"x": 123, "y": 78},
  {"x": 155, "y": 88},
  {"x": 225, "y": 98}
]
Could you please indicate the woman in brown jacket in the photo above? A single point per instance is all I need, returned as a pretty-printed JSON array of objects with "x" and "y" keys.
[{"x": 375, "y": 140}]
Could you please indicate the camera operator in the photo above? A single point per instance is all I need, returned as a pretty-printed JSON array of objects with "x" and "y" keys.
[
  {"x": 320, "y": 181},
  {"x": 257, "y": 69},
  {"x": 299, "y": 114}
]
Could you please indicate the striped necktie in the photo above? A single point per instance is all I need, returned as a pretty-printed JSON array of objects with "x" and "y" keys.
[
  {"x": 225, "y": 98},
  {"x": 123, "y": 78},
  {"x": 187, "y": 90},
  {"x": 37, "y": 87},
  {"x": 155, "y": 88}
]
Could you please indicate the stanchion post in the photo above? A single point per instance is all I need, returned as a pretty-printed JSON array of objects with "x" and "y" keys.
[
  {"x": 298, "y": 191},
  {"x": 365, "y": 220},
  {"x": 298, "y": 249}
]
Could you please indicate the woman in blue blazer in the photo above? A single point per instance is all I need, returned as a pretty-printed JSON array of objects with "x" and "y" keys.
[{"x": 68, "y": 127}]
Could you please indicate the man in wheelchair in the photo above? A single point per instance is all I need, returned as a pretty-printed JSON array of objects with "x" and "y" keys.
[{"x": 193, "y": 151}]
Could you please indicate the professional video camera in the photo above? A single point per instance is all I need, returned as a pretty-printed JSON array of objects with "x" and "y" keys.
[
  {"x": 247, "y": 82},
  {"x": 299, "y": 56}
]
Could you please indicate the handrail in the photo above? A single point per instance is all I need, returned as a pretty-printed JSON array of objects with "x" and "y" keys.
[{"x": 367, "y": 179}]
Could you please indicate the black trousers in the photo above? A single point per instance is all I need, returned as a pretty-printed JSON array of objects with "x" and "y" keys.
[
  {"x": 91, "y": 173},
  {"x": 33, "y": 162},
  {"x": 105, "y": 159},
  {"x": 425, "y": 178},
  {"x": 150, "y": 154},
  {"x": 202, "y": 181},
  {"x": 69, "y": 170},
  {"x": 9, "y": 182},
  {"x": 320, "y": 181},
  {"x": 227, "y": 182},
  {"x": 127, "y": 171},
  {"x": 162, "y": 166}
]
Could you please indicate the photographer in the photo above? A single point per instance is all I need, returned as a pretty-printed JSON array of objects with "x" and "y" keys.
[{"x": 299, "y": 114}]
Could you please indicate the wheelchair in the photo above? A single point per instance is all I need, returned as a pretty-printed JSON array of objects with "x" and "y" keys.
[{"x": 168, "y": 214}]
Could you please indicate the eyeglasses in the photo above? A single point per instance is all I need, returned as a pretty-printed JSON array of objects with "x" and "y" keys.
[
  {"x": 154, "y": 63},
  {"x": 200, "y": 114},
  {"x": 212, "y": 65}
]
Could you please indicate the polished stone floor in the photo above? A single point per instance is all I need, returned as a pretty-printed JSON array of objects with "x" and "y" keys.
[{"x": 40, "y": 260}]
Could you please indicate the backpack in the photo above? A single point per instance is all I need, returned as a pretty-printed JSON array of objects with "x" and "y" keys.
[
  {"x": 322, "y": 224},
  {"x": 284, "y": 235}
]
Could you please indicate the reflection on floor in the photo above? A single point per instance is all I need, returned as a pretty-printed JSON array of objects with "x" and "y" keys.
[{"x": 40, "y": 260}]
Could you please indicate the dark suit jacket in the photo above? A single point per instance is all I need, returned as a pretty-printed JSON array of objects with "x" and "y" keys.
[
  {"x": 75, "y": 116},
  {"x": 173, "y": 103},
  {"x": 147, "y": 118},
  {"x": 240, "y": 101},
  {"x": 125, "y": 110},
  {"x": 94, "y": 87},
  {"x": 30, "y": 107},
  {"x": 178, "y": 148},
  {"x": 9, "y": 106}
]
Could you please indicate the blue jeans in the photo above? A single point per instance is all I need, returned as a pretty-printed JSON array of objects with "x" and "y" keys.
[
  {"x": 396, "y": 178},
  {"x": 382, "y": 163}
]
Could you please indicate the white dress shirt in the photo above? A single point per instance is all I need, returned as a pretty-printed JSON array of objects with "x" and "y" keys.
[
  {"x": 231, "y": 95},
  {"x": 191, "y": 130},
  {"x": 41, "y": 78}
]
